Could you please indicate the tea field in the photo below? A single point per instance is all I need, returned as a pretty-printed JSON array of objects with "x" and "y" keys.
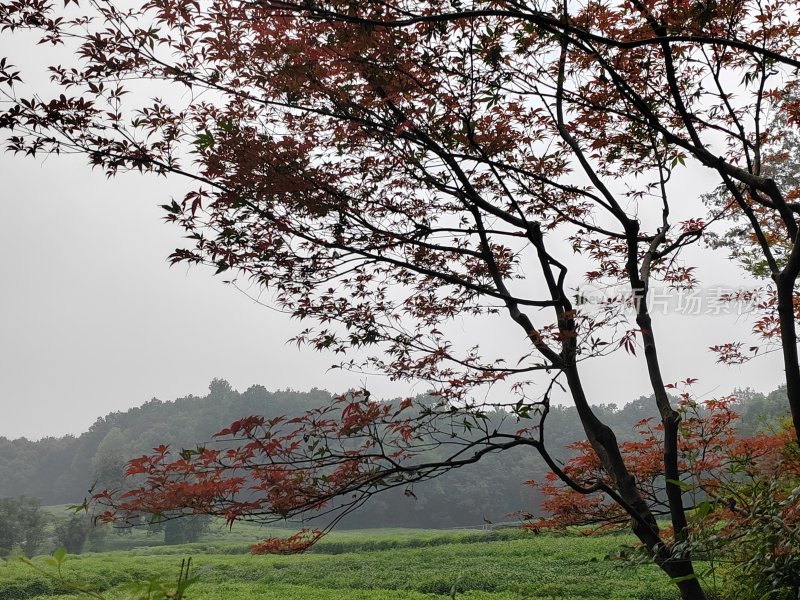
[{"x": 358, "y": 565}]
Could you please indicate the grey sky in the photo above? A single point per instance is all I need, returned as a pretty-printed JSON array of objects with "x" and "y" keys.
[{"x": 93, "y": 320}]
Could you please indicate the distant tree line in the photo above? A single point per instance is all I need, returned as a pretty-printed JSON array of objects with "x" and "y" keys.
[{"x": 62, "y": 470}]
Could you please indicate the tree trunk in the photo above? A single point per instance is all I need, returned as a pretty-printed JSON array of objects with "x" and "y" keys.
[
  {"x": 644, "y": 523},
  {"x": 690, "y": 587},
  {"x": 791, "y": 364}
]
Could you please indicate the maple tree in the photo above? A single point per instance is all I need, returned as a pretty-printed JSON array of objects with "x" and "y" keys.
[
  {"x": 763, "y": 241},
  {"x": 742, "y": 494},
  {"x": 387, "y": 168}
]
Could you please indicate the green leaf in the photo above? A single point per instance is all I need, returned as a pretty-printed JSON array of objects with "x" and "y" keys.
[
  {"x": 681, "y": 484},
  {"x": 204, "y": 141},
  {"x": 683, "y": 578},
  {"x": 703, "y": 509}
]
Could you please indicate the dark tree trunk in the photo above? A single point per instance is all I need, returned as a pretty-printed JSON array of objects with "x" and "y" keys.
[
  {"x": 791, "y": 363},
  {"x": 644, "y": 523}
]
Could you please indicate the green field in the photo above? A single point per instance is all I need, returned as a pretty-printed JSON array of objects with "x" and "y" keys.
[{"x": 367, "y": 564}]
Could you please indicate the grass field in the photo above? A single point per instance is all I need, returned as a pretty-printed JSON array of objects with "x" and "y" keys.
[{"x": 361, "y": 565}]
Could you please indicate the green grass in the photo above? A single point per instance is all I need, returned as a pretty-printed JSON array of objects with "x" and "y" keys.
[
  {"x": 239, "y": 541},
  {"x": 379, "y": 565}
]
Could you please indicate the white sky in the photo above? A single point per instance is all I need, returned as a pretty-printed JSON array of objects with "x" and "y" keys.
[{"x": 93, "y": 320}]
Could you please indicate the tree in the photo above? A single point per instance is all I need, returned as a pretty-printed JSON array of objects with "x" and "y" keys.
[
  {"x": 22, "y": 524},
  {"x": 762, "y": 237},
  {"x": 108, "y": 463},
  {"x": 72, "y": 532},
  {"x": 388, "y": 168},
  {"x": 744, "y": 494},
  {"x": 177, "y": 530},
  {"x": 185, "y": 531},
  {"x": 8, "y": 529}
]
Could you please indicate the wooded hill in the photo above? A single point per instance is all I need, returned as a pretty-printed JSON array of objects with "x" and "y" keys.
[{"x": 61, "y": 470}]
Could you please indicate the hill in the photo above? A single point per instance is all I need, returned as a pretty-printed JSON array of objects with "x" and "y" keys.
[{"x": 61, "y": 470}]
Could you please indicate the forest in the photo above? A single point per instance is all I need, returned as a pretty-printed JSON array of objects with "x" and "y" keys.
[{"x": 62, "y": 470}]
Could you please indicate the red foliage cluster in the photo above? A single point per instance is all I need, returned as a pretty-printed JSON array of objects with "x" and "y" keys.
[
  {"x": 262, "y": 467},
  {"x": 294, "y": 544},
  {"x": 713, "y": 461}
]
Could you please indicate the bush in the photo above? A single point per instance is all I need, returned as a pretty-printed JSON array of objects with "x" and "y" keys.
[
  {"x": 747, "y": 525},
  {"x": 767, "y": 551}
]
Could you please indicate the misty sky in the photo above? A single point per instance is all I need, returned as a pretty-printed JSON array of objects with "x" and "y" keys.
[{"x": 93, "y": 319}]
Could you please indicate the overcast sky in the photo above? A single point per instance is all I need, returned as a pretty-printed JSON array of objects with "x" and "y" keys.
[{"x": 93, "y": 320}]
